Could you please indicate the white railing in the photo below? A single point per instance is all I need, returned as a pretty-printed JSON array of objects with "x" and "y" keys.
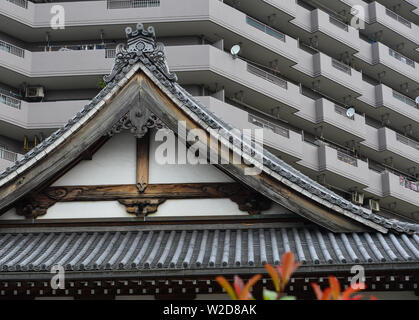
[
  {"x": 269, "y": 125},
  {"x": 347, "y": 158},
  {"x": 338, "y": 23},
  {"x": 12, "y": 49},
  {"x": 266, "y": 75},
  {"x": 405, "y": 99},
  {"x": 395, "y": 16},
  {"x": 401, "y": 57},
  {"x": 412, "y": 185},
  {"x": 341, "y": 66},
  {"x": 20, "y": 3},
  {"x": 110, "y": 53},
  {"x": 8, "y": 155},
  {"x": 123, "y": 4},
  {"x": 407, "y": 141},
  {"x": 10, "y": 101},
  {"x": 263, "y": 27}
]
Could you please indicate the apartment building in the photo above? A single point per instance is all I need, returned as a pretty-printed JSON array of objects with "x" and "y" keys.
[{"x": 334, "y": 88}]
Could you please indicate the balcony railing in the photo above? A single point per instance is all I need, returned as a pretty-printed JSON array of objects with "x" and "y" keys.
[
  {"x": 401, "y": 58},
  {"x": 266, "y": 75},
  {"x": 407, "y": 141},
  {"x": 412, "y": 185},
  {"x": 12, "y": 49},
  {"x": 269, "y": 125},
  {"x": 347, "y": 158},
  {"x": 338, "y": 23},
  {"x": 342, "y": 111},
  {"x": 405, "y": 99},
  {"x": 263, "y": 27},
  {"x": 20, "y": 3},
  {"x": 110, "y": 53},
  {"x": 341, "y": 66},
  {"x": 123, "y": 4},
  {"x": 10, "y": 101},
  {"x": 395, "y": 16},
  {"x": 8, "y": 155}
]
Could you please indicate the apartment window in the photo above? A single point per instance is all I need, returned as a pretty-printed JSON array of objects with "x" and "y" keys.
[
  {"x": 338, "y": 23},
  {"x": 412, "y": 185},
  {"x": 269, "y": 125},
  {"x": 10, "y": 101},
  {"x": 347, "y": 158},
  {"x": 401, "y": 58},
  {"x": 265, "y": 28},
  {"x": 266, "y": 75},
  {"x": 342, "y": 111},
  {"x": 407, "y": 141},
  {"x": 395, "y": 16},
  {"x": 8, "y": 155},
  {"x": 12, "y": 49},
  {"x": 341, "y": 66},
  {"x": 405, "y": 99},
  {"x": 122, "y": 4},
  {"x": 20, "y": 3}
]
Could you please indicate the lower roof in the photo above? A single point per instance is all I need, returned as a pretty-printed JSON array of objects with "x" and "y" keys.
[{"x": 197, "y": 249}]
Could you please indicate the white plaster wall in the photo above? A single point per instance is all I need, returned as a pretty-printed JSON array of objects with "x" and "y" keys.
[
  {"x": 79, "y": 210},
  {"x": 114, "y": 163},
  {"x": 11, "y": 215},
  {"x": 181, "y": 173}
]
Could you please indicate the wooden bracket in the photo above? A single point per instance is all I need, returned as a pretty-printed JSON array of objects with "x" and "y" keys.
[
  {"x": 143, "y": 151},
  {"x": 33, "y": 206},
  {"x": 141, "y": 207},
  {"x": 253, "y": 203}
]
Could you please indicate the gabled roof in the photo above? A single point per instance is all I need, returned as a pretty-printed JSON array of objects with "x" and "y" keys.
[{"x": 142, "y": 93}]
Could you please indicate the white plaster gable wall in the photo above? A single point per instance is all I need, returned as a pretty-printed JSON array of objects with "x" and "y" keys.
[
  {"x": 170, "y": 208},
  {"x": 181, "y": 173},
  {"x": 11, "y": 215},
  {"x": 113, "y": 163}
]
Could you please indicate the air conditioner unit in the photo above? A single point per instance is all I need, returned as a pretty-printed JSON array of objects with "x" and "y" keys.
[
  {"x": 34, "y": 92},
  {"x": 358, "y": 198},
  {"x": 374, "y": 205}
]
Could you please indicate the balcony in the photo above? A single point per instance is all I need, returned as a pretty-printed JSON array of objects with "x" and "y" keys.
[
  {"x": 337, "y": 79},
  {"x": 401, "y": 193},
  {"x": 401, "y": 109},
  {"x": 392, "y": 68},
  {"x": 285, "y": 142},
  {"x": 341, "y": 169},
  {"x": 393, "y": 29},
  {"x": 333, "y": 36},
  {"x": 336, "y": 124}
]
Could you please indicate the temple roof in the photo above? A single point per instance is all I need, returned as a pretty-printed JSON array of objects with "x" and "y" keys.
[
  {"x": 198, "y": 249},
  {"x": 142, "y": 54}
]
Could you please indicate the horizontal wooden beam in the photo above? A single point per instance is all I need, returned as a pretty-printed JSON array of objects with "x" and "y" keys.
[{"x": 168, "y": 191}]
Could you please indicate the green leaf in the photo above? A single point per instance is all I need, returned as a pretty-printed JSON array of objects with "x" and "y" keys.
[
  {"x": 288, "y": 298},
  {"x": 269, "y": 295}
]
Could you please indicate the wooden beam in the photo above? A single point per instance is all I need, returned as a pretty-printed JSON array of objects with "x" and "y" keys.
[
  {"x": 143, "y": 151},
  {"x": 168, "y": 191}
]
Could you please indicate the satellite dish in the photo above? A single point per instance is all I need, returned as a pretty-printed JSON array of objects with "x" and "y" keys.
[
  {"x": 350, "y": 112},
  {"x": 235, "y": 51},
  {"x": 417, "y": 100}
]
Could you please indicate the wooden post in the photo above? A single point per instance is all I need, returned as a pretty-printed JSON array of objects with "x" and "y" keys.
[{"x": 142, "y": 162}]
